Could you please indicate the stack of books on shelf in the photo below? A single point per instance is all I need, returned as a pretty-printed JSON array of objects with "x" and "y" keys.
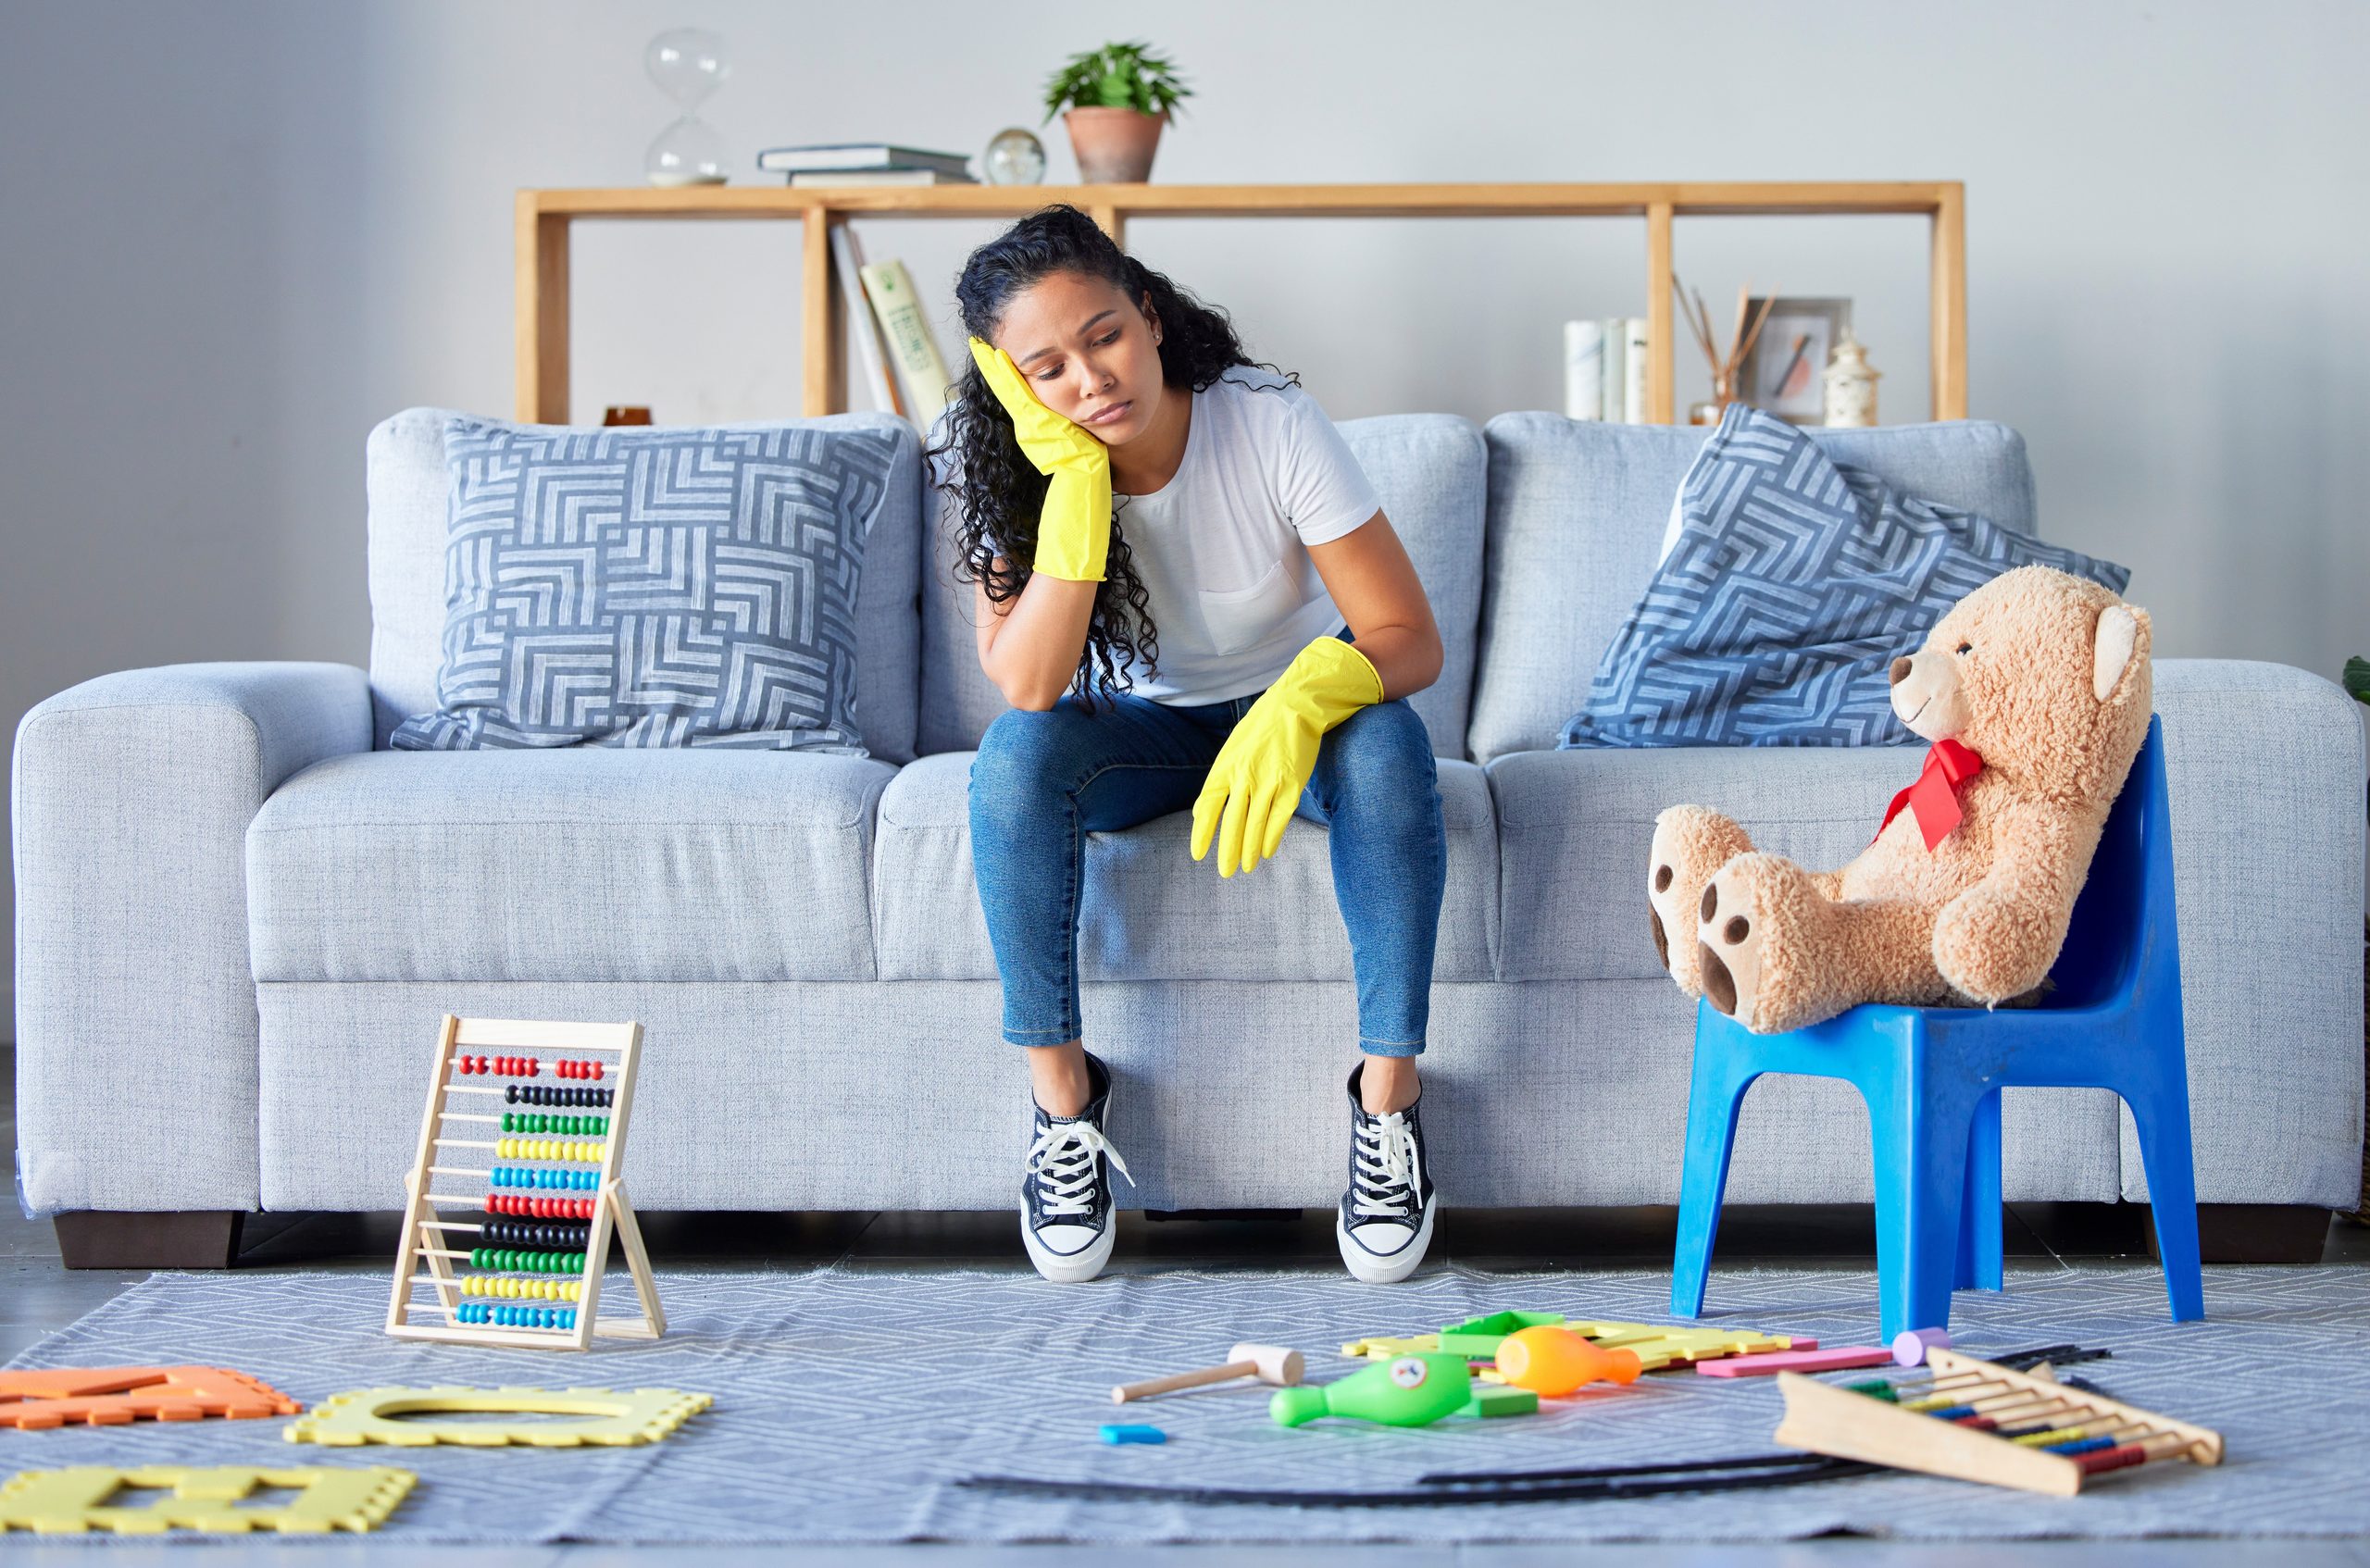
[
  {"x": 866, "y": 163},
  {"x": 1605, "y": 369},
  {"x": 889, "y": 327}
]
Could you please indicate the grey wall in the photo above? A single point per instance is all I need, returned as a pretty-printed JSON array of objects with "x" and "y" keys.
[{"x": 236, "y": 234}]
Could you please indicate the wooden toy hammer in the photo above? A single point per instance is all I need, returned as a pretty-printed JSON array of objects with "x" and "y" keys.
[{"x": 1269, "y": 1364}]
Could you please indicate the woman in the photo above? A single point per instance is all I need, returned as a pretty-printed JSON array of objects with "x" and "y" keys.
[{"x": 1250, "y": 542}]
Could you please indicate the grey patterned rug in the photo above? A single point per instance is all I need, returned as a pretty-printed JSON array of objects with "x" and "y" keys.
[{"x": 848, "y": 1401}]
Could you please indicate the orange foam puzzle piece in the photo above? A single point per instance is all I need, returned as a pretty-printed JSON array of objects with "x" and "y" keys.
[{"x": 117, "y": 1396}]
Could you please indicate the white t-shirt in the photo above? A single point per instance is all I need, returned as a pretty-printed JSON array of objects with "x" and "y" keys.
[{"x": 1223, "y": 546}]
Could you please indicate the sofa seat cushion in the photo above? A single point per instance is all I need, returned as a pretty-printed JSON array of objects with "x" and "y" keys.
[
  {"x": 1575, "y": 826},
  {"x": 586, "y": 863},
  {"x": 1150, "y": 911}
]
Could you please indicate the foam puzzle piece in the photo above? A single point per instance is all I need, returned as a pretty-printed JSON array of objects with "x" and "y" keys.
[
  {"x": 75, "y": 1501},
  {"x": 615, "y": 1419},
  {"x": 1492, "y": 1400},
  {"x": 1655, "y": 1347},
  {"x": 1478, "y": 1337},
  {"x": 1377, "y": 1346},
  {"x": 117, "y": 1396}
]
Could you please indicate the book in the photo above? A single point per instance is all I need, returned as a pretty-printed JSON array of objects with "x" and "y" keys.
[
  {"x": 1633, "y": 369},
  {"x": 881, "y": 176},
  {"x": 857, "y": 154},
  {"x": 1616, "y": 344},
  {"x": 847, "y": 258},
  {"x": 910, "y": 342},
  {"x": 1583, "y": 369}
]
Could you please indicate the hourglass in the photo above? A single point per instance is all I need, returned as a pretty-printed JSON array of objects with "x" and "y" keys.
[{"x": 688, "y": 63}]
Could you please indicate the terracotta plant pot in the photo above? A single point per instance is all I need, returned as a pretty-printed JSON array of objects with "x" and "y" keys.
[{"x": 1114, "y": 146}]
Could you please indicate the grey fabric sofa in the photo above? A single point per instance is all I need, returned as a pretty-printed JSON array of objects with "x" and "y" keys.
[{"x": 240, "y": 916}]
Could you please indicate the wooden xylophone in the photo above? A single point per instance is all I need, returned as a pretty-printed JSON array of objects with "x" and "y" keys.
[{"x": 1978, "y": 1422}]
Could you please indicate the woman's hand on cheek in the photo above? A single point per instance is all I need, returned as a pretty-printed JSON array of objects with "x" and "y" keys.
[
  {"x": 1049, "y": 439},
  {"x": 1074, "y": 524}
]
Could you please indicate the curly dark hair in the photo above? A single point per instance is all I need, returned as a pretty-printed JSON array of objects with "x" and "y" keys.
[{"x": 999, "y": 492}]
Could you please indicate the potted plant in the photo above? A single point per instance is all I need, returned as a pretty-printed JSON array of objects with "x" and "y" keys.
[{"x": 1118, "y": 96}]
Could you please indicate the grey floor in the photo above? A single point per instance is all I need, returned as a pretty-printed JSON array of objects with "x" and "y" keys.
[{"x": 40, "y": 1295}]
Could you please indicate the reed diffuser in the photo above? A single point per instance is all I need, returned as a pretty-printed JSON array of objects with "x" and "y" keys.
[{"x": 1724, "y": 367}]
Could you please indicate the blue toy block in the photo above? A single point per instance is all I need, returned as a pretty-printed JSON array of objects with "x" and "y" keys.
[
  {"x": 1119, "y": 1434},
  {"x": 1931, "y": 1078}
]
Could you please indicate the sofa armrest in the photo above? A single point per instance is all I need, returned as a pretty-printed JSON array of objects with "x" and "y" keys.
[
  {"x": 2265, "y": 764},
  {"x": 136, "y": 1030}
]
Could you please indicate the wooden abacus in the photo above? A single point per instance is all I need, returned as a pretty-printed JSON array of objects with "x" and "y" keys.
[
  {"x": 496, "y": 1306},
  {"x": 1977, "y": 1422}
]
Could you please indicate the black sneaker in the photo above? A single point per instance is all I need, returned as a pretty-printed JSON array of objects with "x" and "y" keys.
[
  {"x": 1386, "y": 1216},
  {"x": 1065, "y": 1191}
]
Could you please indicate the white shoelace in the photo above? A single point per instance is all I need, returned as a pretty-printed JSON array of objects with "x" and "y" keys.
[
  {"x": 1063, "y": 1162},
  {"x": 1383, "y": 1155}
]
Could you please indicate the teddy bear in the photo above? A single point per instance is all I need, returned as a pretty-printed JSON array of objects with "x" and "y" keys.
[{"x": 2035, "y": 692}]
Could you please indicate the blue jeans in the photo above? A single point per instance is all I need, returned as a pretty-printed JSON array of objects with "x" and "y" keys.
[{"x": 1044, "y": 780}]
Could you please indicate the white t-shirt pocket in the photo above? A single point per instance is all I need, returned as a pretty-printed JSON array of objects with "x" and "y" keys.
[{"x": 1237, "y": 618}]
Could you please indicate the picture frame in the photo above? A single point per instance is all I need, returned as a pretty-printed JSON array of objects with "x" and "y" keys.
[{"x": 1777, "y": 379}]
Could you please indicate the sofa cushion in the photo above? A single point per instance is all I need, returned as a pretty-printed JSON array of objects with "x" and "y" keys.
[
  {"x": 1794, "y": 583},
  {"x": 579, "y": 865},
  {"x": 641, "y": 587},
  {"x": 1577, "y": 509},
  {"x": 409, "y": 493},
  {"x": 1426, "y": 467},
  {"x": 1151, "y": 912},
  {"x": 1574, "y": 827}
]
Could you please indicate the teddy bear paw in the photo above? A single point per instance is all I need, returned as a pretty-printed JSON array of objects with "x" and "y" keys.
[
  {"x": 1689, "y": 844},
  {"x": 1744, "y": 927}
]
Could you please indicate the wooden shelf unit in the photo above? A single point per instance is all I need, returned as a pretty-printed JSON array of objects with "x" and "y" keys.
[{"x": 545, "y": 219}]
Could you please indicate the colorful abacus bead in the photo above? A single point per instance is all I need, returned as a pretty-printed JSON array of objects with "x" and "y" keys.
[
  {"x": 515, "y": 1233},
  {"x": 517, "y": 1317}
]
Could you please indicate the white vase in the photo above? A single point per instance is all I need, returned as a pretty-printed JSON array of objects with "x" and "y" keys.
[{"x": 1850, "y": 384}]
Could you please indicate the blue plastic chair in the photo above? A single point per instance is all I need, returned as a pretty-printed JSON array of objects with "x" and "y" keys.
[{"x": 1931, "y": 1078}]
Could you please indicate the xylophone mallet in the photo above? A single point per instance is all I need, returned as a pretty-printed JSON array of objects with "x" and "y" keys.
[{"x": 1269, "y": 1364}]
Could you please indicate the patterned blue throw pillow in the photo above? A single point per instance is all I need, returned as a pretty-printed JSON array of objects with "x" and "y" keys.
[
  {"x": 640, "y": 587},
  {"x": 1794, "y": 583}
]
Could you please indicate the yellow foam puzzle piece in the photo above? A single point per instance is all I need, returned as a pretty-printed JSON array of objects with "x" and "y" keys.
[
  {"x": 616, "y": 1418},
  {"x": 1378, "y": 1348},
  {"x": 1654, "y": 1347},
  {"x": 75, "y": 1501}
]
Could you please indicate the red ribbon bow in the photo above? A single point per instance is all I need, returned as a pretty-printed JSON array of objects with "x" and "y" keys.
[{"x": 1934, "y": 796}]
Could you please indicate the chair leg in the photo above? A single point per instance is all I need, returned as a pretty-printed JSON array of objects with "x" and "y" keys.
[
  {"x": 1921, "y": 1154},
  {"x": 2162, "y": 1118},
  {"x": 1980, "y": 1241},
  {"x": 1715, "y": 1089}
]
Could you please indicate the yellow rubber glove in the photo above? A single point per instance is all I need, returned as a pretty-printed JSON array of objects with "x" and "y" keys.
[
  {"x": 1263, "y": 768},
  {"x": 1073, "y": 525}
]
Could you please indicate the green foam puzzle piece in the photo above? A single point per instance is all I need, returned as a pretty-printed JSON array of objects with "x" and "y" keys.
[
  {"x": 1476, "y": 1338},
  {"x": 1494, "y": 1400}
]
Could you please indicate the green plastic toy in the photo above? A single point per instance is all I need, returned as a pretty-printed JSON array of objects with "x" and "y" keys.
[
  {"x": 1404, "y": 1391},
  {"x": 1476, "y": 1338}
]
